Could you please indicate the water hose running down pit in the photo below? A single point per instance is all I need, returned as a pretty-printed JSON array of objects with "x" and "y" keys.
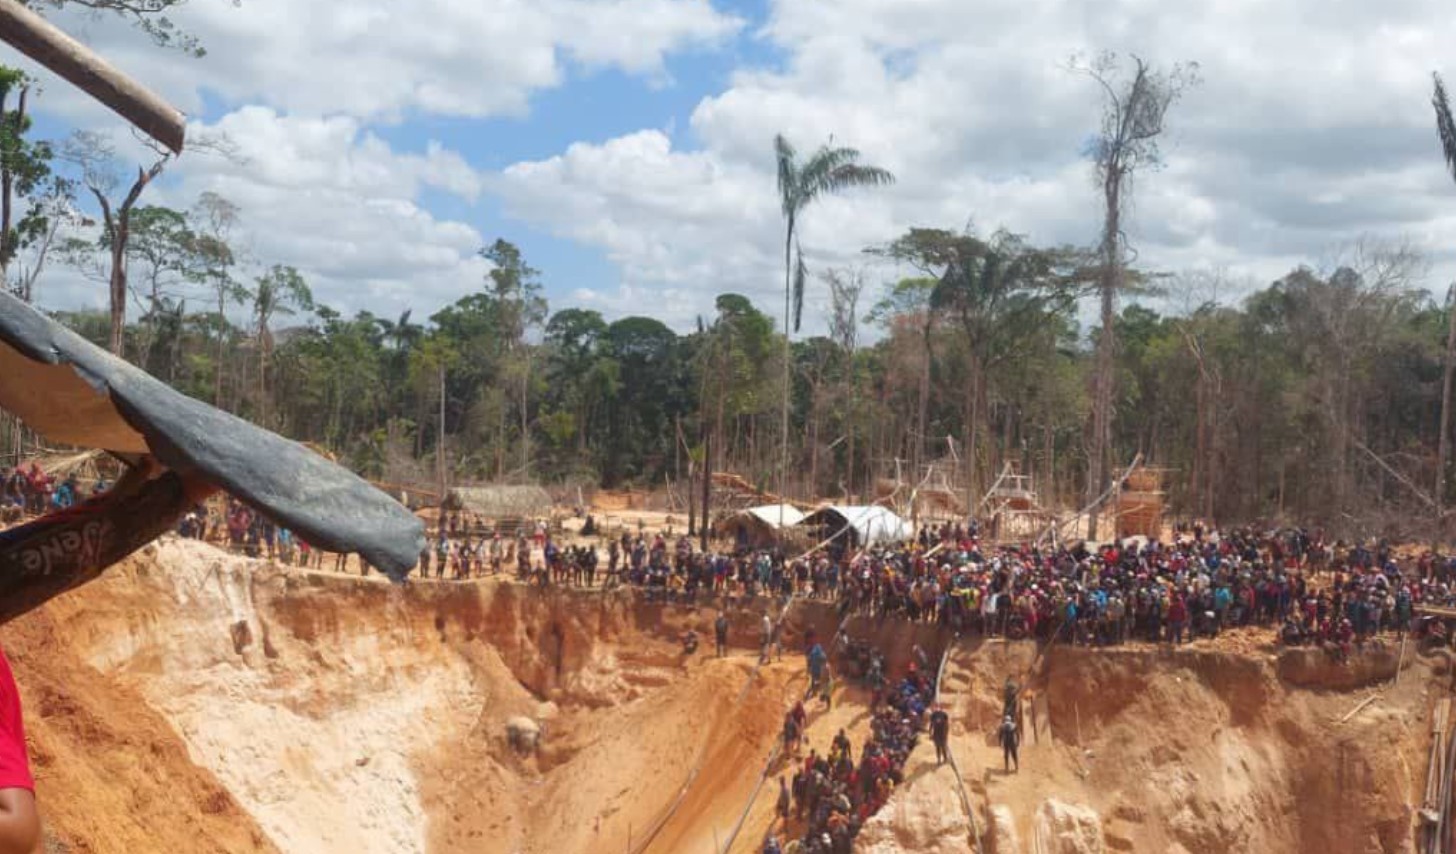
[
  {"x": 636, "y": 846},
  {"x": 955, "y": 769}
]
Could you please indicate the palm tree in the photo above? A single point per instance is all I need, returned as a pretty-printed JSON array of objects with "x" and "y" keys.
[
  {"x": 280, "y": 291},
  {"x": 828, "y": 171},
  {"x": 1446, "y": 129}
]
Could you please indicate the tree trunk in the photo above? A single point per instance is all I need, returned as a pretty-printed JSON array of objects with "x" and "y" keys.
[
  {"x": 692, "y": 500},
  {"x": 973, "y": 417},
  {"x": 440, "y": 465},
  {"x": 1047, "y": 489},
  {"x": 814, "y": 442},
  {"x": 1443, "y": 440},
  {"x": 850, "y": 409},
  {"x": 263, "y": 349},
  {"x": 923, "y": 407},
  {"x": 788, "y": 366},
  {"x": 119, "y": 227},
  {"x": 221, "y": 349},
  {"x": 707, "y": 487},
  {"x": 118, "y": 287},
  {"x": 526, "y": 419},
  {"x": 45, "y": 43},
  {"x": 7, "y": 188},
  {"x": 1106, "y": 342}
]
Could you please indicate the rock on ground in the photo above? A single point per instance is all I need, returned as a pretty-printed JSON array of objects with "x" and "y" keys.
[
  {"x": 925, "y": 817},
  {"x": 1068, "y": 828},
  {"x": 1002, "y": 833}
]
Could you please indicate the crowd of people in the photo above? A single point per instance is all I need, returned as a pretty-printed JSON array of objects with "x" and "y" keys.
[
  {"x": 30, "y": 491},
  {"x": 830, "y": 795},
  {"x": 246, "y": 532},
  {"x": 1197, "y": 585}
]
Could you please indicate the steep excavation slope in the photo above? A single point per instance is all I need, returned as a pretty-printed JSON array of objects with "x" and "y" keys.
[
  {"x": 1186, "y": 751},
  {"x": 111, "y": 773},
  {"x": 193, "y": 696},
  {"x": 348, "y": 714}
]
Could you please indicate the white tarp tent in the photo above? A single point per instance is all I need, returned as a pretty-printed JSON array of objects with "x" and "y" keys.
[
  {"x": 776, "y": 515},
  {"x": 871, "y": 523},
  {"x": 759, "y": 526}
]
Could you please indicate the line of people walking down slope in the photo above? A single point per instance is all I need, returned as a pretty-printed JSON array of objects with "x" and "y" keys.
[{"x": 829, "y": 796}]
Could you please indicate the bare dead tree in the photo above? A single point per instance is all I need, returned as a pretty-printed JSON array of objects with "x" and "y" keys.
[
  {"x": 94, "y": 155},
  {"x": 845, "y": 287},
  {"x": 1135, "y": 105}
]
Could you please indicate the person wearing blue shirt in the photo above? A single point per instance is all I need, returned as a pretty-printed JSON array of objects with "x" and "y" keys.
[
  {"x": 817, "y": 661},
  {"x": 65, "y": 494}
]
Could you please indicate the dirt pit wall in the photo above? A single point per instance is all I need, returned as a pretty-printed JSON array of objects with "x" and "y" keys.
[
  {"x": 332, "y": 712},
  {"x": 1192, "y": 750},
  {"x": 189, "y": 695}
]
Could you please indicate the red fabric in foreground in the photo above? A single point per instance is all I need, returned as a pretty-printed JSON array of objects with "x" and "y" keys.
[{"x": 14, "y": 763}]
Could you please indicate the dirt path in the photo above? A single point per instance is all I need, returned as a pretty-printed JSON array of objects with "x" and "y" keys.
[{"x": 851, "y": 713}]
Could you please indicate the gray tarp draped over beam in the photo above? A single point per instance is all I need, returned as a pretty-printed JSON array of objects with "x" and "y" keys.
[{"x": 73, "y": 392}]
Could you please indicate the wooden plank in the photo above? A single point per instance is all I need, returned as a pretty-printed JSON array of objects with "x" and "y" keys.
[
  {"x": 1367, "y": 701},
  {"x": 43, "y": 42}
]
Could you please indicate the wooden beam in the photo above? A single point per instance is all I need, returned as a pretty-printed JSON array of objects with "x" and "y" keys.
[
  {"x": 43, "y": 42},
  {"x": 1435, "y": 611}
]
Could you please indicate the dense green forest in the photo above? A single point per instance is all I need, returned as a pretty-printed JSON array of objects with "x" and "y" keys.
[
  {"x": 1310, "y": 398},
  {"x": 1316, "y": 398}
]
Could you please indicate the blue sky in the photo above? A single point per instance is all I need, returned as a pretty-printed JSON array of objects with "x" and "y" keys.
[
  {"x": 593, "y": 106},
  {"x": 625, "y": 145}
]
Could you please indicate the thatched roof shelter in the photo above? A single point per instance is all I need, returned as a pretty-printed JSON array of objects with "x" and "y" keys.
[{"x": 500, "y": 502}]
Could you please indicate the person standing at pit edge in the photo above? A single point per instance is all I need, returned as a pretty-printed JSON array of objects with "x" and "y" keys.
[
  {"x": 19, "y": 818},
  {"x": 940, "y": 733},
  {"x": 720, "y": 633}
]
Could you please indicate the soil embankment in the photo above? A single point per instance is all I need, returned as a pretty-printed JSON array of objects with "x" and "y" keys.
[{"x": 1193, "y": 750}]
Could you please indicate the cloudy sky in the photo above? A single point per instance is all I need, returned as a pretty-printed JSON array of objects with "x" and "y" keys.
[{"x": 625, "y": 145}]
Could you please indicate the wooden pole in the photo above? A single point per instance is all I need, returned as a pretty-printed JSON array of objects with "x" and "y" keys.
[
  {"x": 43, "y": 42},
  {"x": 703, "y": 522},
  {"x": 1443, "y": 441}
]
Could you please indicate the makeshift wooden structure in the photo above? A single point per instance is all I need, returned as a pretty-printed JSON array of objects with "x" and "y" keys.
[
  {"x": 494, "y": 502},
  {"x": 1436, "y": 833},
  {"x": 1010, "y": 509},
  {"x": 1140, "y": 502},
  {"x": 759, "y": 527},
  {"x": 509, "y": 510},
  {"x": 735, "y": 492}
]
